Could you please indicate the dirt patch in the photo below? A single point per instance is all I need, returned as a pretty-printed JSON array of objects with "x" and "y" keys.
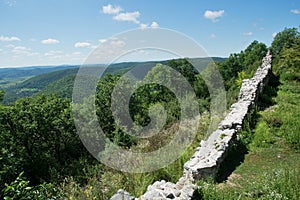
[{"x": 231, "y": 181}]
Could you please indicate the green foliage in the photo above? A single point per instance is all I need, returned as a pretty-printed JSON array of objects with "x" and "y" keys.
[
  {"x": 26, "y": 82},
  {"x": 38, "y": 137},
  {"x": 239, "y": 66},
  {"x": 284, "y": 39},
  {"x": 35, "y": 84},
  {"x": 184, "y": 67},
  {"x": 287, "y": 63},
  {"x": 241, "y": 76},
  {"x": 147, "y": 99},
  {"x": 107, "y": 122},
  {"x": 103, "y": 182},
  {"x": 247, "y": 60},
  {"x": 20, "y": 189},
  {"x": 290, "y": 62},
  {"x": 2, "y": 92},
  {"x": 62, "y": 87},
  {"x": 288, "y": 111},
  {"x": 263, "y": 136}
]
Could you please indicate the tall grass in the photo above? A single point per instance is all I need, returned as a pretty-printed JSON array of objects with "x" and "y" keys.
[{"x": 279, "y": 184}]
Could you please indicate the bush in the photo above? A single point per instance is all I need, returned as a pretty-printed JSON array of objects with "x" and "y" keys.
[
  {"x": 263, "y": 137},
  {"x": 20, "y": 189}
]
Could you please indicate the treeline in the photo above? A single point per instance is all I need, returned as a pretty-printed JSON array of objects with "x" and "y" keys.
[{"x": 40, "y": 147}]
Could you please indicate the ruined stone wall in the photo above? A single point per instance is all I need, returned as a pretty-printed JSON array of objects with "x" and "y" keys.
[{"x": 211, "y": 153}]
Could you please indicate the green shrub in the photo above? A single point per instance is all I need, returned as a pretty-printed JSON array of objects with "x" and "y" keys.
[
  {"x": 263, "y": 137},
  {"x": 20, "y": 189}
]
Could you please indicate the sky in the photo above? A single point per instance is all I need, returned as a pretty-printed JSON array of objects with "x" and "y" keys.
[{"x": 57, "y": 32}]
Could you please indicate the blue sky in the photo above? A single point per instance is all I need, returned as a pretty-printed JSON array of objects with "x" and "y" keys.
[{"x": 54, "y": 32}]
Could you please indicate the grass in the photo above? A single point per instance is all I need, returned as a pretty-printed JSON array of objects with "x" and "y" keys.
[
  {"x": 271, "y": 168},
  {"x": 267, "y": 173}
]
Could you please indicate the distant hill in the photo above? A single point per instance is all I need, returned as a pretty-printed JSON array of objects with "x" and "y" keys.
[
  {"x": 35, "y": 84},
  {"x": 11, "y": 76},
  {"x": 62, "y": 87},
  {"x": 31, "y": 71},
  {"x": 60, "y": 80}
]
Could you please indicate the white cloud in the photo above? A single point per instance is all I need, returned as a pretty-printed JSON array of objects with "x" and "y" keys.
[
  {"x": 10, "y": 46},
  {"x": 248, "y": 34},
  {"x": 296, "y": 11},
  {"x": 77, "y": 53},
  {"x": 48, "y": 54},
  {"x": 82, "y": 44},
  {"x": 50, "y": 41},
  {"x": 213, "y": 15},
  {"x": 117, "y": 43},
  {"x": 143, "y": 26},
  {"x": 52, "y": 53},
  {"x": 21, "y": 50},
  {"x": 128, "y": 16},
  {"x": 108, "y": 51},
  {"x": 274, "y": 34},
  {"x": 56, "y": 57},
  {"x": 212, "y": 35},
  {"x": 102, "y": 40},
  {"x": 154, "y": 25},
  {"x": 124, "y": 16},
  {"x": 57, "y": 52},
  {"x": 9, "y": 39},
  {"x": 109, "y": 9}
]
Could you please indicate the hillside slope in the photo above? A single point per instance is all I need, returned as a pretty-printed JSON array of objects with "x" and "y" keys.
[
  {"x": 60, "y": 82},
  {"x": 35, "y": 84},
  {"x": 12, "y": 76}
]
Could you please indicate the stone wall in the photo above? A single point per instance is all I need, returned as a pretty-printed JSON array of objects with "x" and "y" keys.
[{"x": 211, "y": 153}]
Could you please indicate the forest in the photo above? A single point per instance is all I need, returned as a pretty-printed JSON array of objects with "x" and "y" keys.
[{"x": 42, "y": 156}]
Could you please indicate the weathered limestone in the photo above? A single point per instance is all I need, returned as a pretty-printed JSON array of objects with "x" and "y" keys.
[
  {"x": 167, "y": 190},
  {"x": 212, "y": 152},
  {"x": 122, "y": 195}
]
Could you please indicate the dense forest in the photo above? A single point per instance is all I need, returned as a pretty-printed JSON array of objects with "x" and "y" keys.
[{"x": 42, "y": 157}]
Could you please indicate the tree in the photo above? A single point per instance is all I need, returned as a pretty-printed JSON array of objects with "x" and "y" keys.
[
  {"x": 2, "y": 92},
  {"x": 290, "y": 60},
  {"x": 284, "y": 39},
  {"x": 39, "y": 137},
  {"x": 239, "y": 66},
  {"x": 253, "y": 55},
  {"x": 104, "y": 112}
]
